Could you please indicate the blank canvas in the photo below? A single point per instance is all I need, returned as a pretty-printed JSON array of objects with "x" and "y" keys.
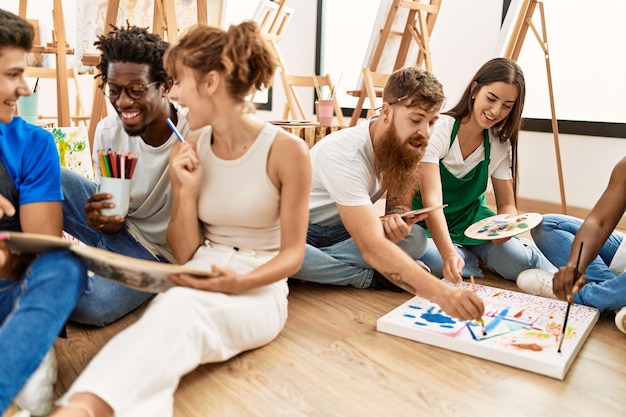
[{"x": 523, "y": 330}]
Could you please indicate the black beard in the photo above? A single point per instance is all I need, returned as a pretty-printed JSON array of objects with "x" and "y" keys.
[
  {"x": 138, "y": 132},
  {"x": 397, "y": 166}
]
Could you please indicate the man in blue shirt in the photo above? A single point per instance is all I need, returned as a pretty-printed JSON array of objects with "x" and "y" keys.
[{"x": 36, "y": 295}]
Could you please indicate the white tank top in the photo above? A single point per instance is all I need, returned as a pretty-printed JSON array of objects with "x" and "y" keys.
[{"x": 239, "y": 205}]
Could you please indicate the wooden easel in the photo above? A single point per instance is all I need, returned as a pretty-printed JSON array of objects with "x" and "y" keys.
[
  {"x": 60, "y": 48},
  {"x": 523, "y": 22},
  {"x": 272, "y": 24},
  {"x": 164, "y": 20},
  {"x": 419, "y": 26}
]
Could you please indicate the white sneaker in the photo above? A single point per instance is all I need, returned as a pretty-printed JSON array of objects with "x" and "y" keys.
[
  {"x": 620, "y": 319},
  {"x": 38, "y": 392},
  {"x": 536, "y": 282}
]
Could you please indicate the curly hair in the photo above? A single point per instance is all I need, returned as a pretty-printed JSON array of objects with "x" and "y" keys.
[
  {"x": 135, "y": 45},
  {"x": 241, "y": 54},
  {"x": 15, "y": 31}
]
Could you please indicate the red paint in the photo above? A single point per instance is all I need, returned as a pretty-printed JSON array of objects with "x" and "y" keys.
[{"x": 528, "y": 346}]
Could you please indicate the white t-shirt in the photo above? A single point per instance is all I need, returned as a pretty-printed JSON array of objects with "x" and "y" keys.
[
  {"x": 439, "y": 147},
  {"x": 343, "y": 173},
  {"x": 151, "y": 195}
]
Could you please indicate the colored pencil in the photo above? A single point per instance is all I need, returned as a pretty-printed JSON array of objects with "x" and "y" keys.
[
  {"x": 116, "y": 164},
  {"x": 482, "y": 322},
  {"x": 176, "y": 132},
  {"x": 580, "y": 251}
]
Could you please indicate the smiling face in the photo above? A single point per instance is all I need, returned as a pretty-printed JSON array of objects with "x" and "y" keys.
[
  {"x": 12, "y": 82},
  {"x": 137, "y": 114},
  {"x": 188, "y": 93},
  {"x": 493, "y": 103}
]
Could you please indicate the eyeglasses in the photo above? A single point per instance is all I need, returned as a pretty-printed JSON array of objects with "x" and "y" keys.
[
  {"x": 135, "y": 91},
  {"x": 396, "y": 101}
]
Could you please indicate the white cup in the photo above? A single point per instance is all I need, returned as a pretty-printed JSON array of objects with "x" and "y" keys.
[{"x": 119, "y": 188}]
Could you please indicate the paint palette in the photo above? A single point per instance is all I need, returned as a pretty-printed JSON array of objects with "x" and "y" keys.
[
  {"x": 523, "y": 330},
  {"x": 502, "y": 226}
]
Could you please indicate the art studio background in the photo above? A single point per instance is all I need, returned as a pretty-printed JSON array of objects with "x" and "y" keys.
[{"x": 323, "y": 36}]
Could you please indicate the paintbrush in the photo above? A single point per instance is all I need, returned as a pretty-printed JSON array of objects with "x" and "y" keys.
[
  {"x": 482, "y": 322},
  {"x": 580, "y": 251},
  {"x": 173, "y": 127}
]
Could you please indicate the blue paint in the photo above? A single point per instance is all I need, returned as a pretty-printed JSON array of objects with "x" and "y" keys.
[
  {"x": 411, "y": 316},
  {"x": 496, "y": 320},
  {"x": 419, "y": 323},
  {"x": 437, "y": 317},
  {"x": 415, "y": 307}
]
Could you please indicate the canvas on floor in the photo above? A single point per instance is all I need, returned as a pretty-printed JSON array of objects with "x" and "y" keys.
[{"x": 523, "y": 330}]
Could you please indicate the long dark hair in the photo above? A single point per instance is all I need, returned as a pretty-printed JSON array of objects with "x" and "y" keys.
[{"x": 497, "y": 70}]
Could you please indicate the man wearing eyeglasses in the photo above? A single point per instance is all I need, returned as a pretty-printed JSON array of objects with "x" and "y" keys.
[
  {"x": 347, "y": 242},
  {"x": 136, "y": 84}
]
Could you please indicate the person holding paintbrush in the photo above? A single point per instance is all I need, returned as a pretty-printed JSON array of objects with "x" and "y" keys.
[
  {"x": 474, "y": 142},
  {"x": 137, "y": 86},
  {"x": 240, "y": 212},
  {"x": 347, "y": 242},
  {"x": 600, "y": 279}
]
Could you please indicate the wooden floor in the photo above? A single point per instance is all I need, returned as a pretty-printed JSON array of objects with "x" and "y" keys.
[{"x": 330, "y": 361}]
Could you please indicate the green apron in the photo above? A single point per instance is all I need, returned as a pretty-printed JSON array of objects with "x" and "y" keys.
[{"x": 465, "y": 196}]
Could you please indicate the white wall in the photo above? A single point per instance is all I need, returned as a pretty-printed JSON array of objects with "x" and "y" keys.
[
  {"x": 586, "y": 43},
  {"x": 587, "y": 71}
]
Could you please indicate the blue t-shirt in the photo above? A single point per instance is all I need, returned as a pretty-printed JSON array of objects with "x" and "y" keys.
[{"x": 31, "y": 159}]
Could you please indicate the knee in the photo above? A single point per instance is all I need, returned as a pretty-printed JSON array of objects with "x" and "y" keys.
[
  {"x": 61, "y": 274},
  {"x": 104, "y": 302},
  {"x": 415, "y": 243}
]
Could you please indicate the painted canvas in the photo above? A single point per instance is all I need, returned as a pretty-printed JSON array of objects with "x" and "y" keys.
[
  {"x": 522, "y": 330},
  {"x": 74, "y": 152}
]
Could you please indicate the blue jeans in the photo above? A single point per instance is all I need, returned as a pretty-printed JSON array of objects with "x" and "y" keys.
[
  {"x": 604, "y": 290},
  {"x": 507, "y": 259},
  {"x": 33, "y": 311},
  {"x": 104, "y": 301},
  {"x": 332, "y": 257}
]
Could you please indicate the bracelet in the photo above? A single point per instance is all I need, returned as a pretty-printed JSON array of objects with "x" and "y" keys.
[{"x": 81, "y": 406}]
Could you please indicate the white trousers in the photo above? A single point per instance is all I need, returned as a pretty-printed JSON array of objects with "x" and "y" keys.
[{"x": 138, "y": 371}]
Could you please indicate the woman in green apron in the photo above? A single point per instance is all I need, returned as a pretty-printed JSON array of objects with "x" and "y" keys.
[{"x": 472, "y": 142}]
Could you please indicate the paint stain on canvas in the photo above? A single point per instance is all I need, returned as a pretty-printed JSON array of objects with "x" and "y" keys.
[{"x": 520, "y": 327}]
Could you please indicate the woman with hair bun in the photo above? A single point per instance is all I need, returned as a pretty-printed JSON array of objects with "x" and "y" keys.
[{"x": 240, "y": 211}]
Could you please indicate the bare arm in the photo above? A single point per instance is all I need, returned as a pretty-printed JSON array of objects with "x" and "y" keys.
[
  {"x": 43, "y": 218},
  {"x": 432, "y": 195},
  {"x": 289, "y": 169},
  {"x": 505, "y": 197},
  {"x": 383, "y": 255},
  {"x": 594, "y": 232},
  {"x": 183, "y": 231}
]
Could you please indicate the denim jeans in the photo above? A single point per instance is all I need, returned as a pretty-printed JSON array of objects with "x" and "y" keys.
[
  {"x": 604, "y": 290},
  {"x": 33, "y": 311},
  {"x": 104, "y": 301},
  {"x": 332, "y": 257},
  {"x": 507, "y": 259}
]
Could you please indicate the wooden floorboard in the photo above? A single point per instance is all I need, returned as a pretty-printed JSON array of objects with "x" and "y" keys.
[{"x": 330, "y": 361}]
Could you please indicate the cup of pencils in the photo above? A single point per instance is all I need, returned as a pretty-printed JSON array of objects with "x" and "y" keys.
[{"x": 116, "y": 170}]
